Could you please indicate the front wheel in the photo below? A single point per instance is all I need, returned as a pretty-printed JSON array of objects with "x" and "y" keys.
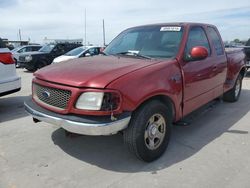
[
  {"x": 149, "y": 131},
  {"x": 234, "y": 94}
]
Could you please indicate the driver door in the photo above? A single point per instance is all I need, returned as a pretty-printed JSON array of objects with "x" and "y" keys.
[{"x": 198, "y": 75}]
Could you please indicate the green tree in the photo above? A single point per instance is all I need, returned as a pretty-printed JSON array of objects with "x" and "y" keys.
[{"x": 237, "y": 40}]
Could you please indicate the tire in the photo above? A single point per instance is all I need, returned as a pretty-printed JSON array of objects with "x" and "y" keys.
[
  {"x": 233, "y": 94},
  {"x": 149, "y": 131}
]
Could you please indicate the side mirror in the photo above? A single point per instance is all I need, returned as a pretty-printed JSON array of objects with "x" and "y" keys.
[{"x": 198, "y": 53}]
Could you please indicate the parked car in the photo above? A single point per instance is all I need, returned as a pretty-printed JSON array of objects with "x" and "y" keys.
[
  {"x": 78, "y": 52},
  {"x": 36, "y": 60},
  {"x": 151, "y": 76},
  {"x": 247, "y": 52},
  {"x": 9, "y": 81},
  {"x": 22, "y": 49}
]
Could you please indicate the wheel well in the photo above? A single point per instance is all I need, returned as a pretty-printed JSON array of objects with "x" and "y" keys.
[{"x": 165, "y": 100}]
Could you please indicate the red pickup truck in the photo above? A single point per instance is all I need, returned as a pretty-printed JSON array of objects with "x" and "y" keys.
[{"x": 148, "y": 78}]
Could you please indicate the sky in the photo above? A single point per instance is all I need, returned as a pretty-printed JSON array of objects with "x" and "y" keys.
[{"x": 64, "y": 19}]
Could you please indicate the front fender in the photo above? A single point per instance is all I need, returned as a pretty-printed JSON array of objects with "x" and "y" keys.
[{"x": 148, "y": 82}]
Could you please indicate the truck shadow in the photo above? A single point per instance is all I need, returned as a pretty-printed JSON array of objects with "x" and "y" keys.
[
  {"x": 207, "y": 124},
  {"x": 12, "y": 108}
]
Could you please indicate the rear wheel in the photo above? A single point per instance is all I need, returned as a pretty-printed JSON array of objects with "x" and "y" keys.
[
  {"x": 149, "y": 131},
  {"x": 234, "y": 94}
]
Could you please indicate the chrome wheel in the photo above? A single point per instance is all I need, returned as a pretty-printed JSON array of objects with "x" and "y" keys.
[
  {"x": 155, "y": 131},
  {"x": 237, "y": 87}
]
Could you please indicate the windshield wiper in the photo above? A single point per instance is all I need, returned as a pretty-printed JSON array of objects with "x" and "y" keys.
[{"x": 130, "y": 53}]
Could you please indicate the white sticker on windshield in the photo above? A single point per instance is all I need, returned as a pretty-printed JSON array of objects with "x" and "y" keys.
[{"x": 170, "y": 28}]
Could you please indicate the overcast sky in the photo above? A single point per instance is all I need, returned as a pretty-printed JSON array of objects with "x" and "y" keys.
[{"x": 65, "y": 19}]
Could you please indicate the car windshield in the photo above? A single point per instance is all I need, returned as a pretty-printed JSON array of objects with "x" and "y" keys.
[
  {"x": 147, "y": 41},
  {"x": 76, "y": 51},
  {"x": 47, "y": 48}
]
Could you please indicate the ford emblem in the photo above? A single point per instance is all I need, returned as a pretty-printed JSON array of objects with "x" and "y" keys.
[{"x": 46, "y": 94}]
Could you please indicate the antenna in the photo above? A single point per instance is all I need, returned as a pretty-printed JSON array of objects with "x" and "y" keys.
[
  {"x": 85, "y": 30},
  {"x": 103, "y": 27},
  {"x": 20, "y": 37}
]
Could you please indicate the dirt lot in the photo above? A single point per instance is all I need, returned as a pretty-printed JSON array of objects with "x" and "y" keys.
[{"x": 213, "y": 151}]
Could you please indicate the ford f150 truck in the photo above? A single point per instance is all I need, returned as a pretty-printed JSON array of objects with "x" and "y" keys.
[{"x": 149, "y": 77}]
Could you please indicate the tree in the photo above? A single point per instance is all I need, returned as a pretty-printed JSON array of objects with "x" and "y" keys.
[{"x": 237, "y": 40}]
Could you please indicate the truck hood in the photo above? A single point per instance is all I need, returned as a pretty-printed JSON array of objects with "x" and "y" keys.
[{"x": 94, "y": 72}]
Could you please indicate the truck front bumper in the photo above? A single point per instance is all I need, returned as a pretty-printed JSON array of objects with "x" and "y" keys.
[{"x": 86, "y": 125}]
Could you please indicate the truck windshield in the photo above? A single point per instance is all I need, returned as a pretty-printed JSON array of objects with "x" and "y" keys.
[
  {"x": 147, "y": 41},
  {"x": 76, "y": 51},
  {"x": 47, "y": 48}
]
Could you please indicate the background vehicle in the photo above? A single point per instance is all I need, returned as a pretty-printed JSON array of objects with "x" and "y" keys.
[
  {"x": 78, "y": 52},
  {"x": 247, "y": 52},
  {"x": 9, "y": 81},
  {"x": 22, "y": 49},
  {"x": 151, "y": 76},
  {"x": 36, "y": 60}
]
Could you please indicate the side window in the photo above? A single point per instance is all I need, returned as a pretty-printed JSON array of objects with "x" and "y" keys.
[
  {"x": 216, "y": 41},
  {"x": 29, "y": 49},
  {"x": 22, "y": 50},
  {"x": 35, "y": 48},
  {"x": 196, "y": 37},
  {"x": 93, "y": 51},
  {"x": 59, "y": 49}
]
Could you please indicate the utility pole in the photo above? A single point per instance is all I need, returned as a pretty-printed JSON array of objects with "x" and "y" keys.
[
  {"x": 20, "y": 37},
  {"x": 85, "y": 30},
  {"x": 103, "y": 30}
]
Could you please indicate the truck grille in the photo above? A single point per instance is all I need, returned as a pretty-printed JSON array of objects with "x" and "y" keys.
[{"x": 54, "y": 97}]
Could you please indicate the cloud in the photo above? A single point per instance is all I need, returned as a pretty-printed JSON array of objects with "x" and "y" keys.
[{"x": 65, "y": 19}]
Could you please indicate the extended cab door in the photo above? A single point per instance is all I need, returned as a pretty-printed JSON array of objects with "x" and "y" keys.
[{"x": 199, "y": 78}]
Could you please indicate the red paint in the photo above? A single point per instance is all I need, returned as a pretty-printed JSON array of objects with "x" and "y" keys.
[
  {"x": 6, "y": 58},
  {"x": 187, "y": 84},
  {"x": 199, "y": 52}
]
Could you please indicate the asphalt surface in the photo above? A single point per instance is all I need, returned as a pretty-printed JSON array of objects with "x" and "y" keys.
[{"x": 213, "y": 151}]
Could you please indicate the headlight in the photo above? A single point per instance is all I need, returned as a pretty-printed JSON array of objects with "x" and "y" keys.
[
  {"x": 90, "y": 101},
  {"x": 108, "y": 101},
  {"x": 28, "y": 58}
]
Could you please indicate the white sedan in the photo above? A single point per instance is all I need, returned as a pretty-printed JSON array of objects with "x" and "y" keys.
[
  {"x": 82, "y": 51},
  {"x": 9, "y": 81}
]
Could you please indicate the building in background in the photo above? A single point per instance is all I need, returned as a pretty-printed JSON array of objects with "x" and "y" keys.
[{"x": 75, "y": 41}]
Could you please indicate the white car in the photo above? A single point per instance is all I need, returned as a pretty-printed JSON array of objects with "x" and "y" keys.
[
  {"x": 9, "y": 81},
  {"x": 81, "y": 51}
]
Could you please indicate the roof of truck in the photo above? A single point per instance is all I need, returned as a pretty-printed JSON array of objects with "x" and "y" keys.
[{"x": 175, "y": 24}]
